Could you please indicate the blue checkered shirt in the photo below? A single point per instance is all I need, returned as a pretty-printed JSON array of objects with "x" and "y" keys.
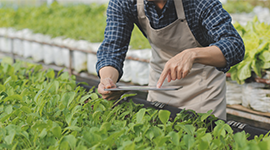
[{"x": 207, "y": 20}]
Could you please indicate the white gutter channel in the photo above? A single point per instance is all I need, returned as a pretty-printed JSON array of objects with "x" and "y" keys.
[{"x": 135, "y": 71}]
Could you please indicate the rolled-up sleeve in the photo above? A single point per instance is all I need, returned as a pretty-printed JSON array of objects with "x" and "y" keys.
[
  {"x": 112, "y": 51},
  {"x": 218, "y": 24}
]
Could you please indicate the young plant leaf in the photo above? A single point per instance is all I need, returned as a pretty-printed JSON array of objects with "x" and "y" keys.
[
  {"x": 57, "y": 132},
  {"x": 140, "y": 115},
  {"x": 164, "y": 116}
]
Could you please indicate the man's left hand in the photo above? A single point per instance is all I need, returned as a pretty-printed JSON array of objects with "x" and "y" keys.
[{"x": 177, "y": 67}]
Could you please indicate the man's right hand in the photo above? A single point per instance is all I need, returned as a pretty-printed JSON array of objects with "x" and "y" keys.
[
  {"x": 108, "y": 78},
  {"x": 108, "y": 95}
]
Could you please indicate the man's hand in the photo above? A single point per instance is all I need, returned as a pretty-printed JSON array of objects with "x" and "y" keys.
[
  {"x": 180, "y": 65},
  {"x": 177, "y": 67},
  {"x": 108, "y": 78},
  {"x": 106, "y": 84}
]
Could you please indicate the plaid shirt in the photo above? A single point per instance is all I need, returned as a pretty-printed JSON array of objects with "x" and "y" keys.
[{"x": 207, "y": 20}]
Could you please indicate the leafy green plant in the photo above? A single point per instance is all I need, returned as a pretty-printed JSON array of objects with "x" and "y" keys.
[
  {"x": 257, "y": 55},
  {"x": 40, "y": 109}
]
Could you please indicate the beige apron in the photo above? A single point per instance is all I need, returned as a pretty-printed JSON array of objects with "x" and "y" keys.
[{"x": 203, "y": 88}]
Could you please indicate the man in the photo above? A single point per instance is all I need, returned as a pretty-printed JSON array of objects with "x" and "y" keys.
[{"x": 193, "y": 44}]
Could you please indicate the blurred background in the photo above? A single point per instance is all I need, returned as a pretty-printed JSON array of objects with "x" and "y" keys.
[
  {"x": 246, "y": 8},
  {"x": 40, "y": 2}
]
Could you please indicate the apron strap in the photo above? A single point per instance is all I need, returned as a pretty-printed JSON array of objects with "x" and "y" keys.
[
  {"x": 140, "y": 8},
  {"x": 179, "y": 9}
]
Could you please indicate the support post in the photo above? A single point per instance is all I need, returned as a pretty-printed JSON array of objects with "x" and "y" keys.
[
  {"x": 70, "y": 62},
  {"x": 12, "y": 50}
]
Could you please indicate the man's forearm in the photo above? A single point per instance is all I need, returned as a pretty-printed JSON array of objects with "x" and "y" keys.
[
  {"x": 109, "y": 72},
  {"x": 209, "y": 56}
]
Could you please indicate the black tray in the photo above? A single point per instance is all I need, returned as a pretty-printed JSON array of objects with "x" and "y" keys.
[{"x": 236, "y": 126}]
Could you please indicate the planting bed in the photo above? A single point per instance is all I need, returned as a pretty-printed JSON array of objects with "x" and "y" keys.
[
  {"x": 140, "y": 98},
  {"x": 236, "y": 126},
  {"x": 41, "y": 109}
]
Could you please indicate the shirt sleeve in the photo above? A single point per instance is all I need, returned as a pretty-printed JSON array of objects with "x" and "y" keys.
[
  {"x": 112, "y": 51},
  {"x": 218, "y": 24}
]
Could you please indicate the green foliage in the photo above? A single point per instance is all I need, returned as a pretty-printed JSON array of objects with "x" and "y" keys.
[
  {"x": 257, "y": 55},
  {"x": 43, "y": 110},
  {"x": 79, "y": 22},
  {"x": 247, "y": 6},
  {"x": 238, "y": 6}
]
